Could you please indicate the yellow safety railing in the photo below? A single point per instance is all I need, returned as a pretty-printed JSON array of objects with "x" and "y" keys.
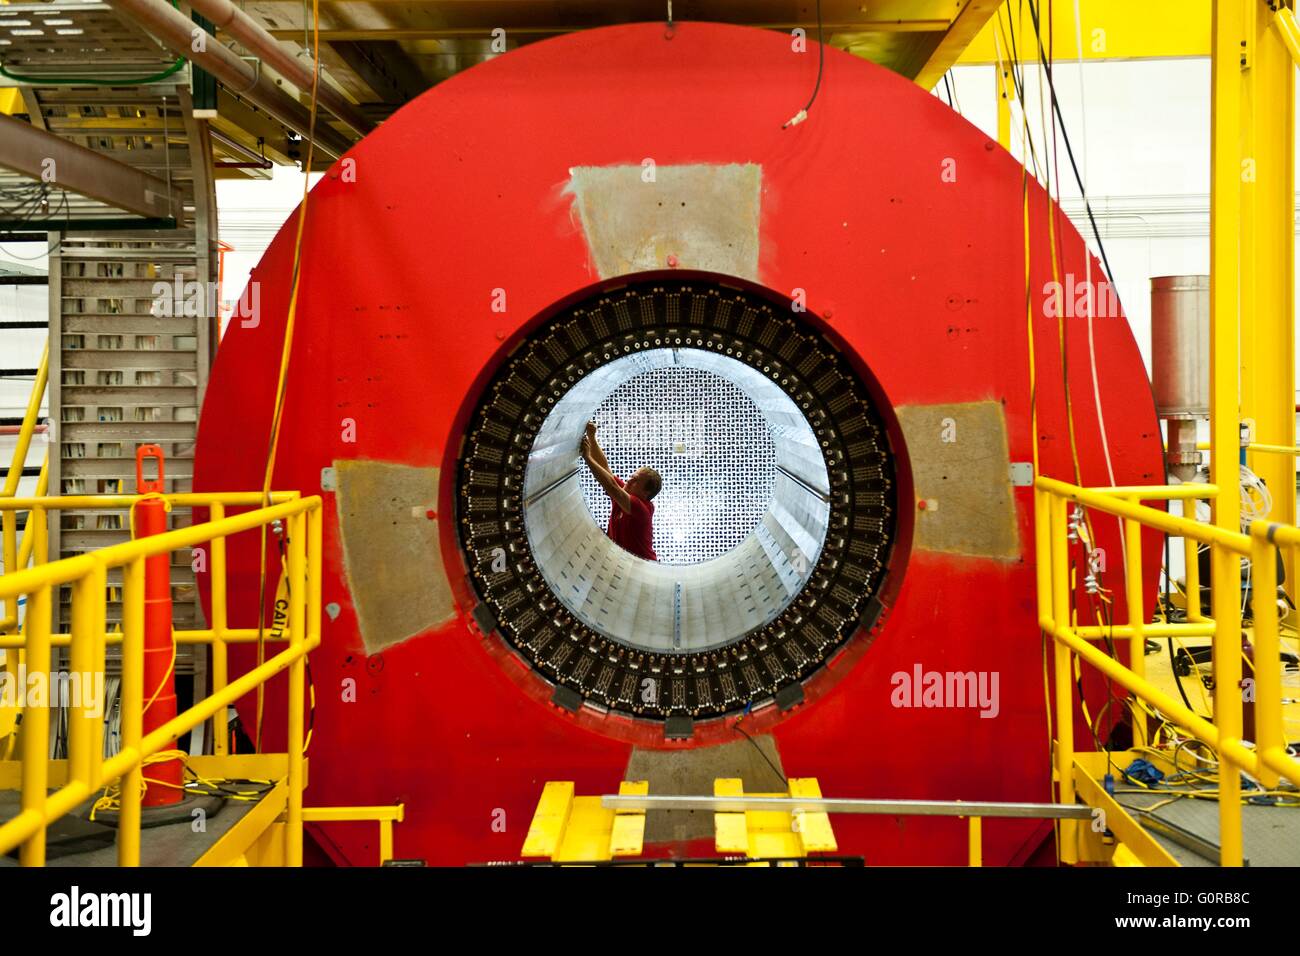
[
  {"x": 16, "y": 556},
  {"x": 384, "y": 816},
  {"x": 87, "y": 575},
  {"x": 1056, "y": 590}
]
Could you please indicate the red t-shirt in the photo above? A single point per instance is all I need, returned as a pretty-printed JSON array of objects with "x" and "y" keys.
[{"x": 633, "y": 530}]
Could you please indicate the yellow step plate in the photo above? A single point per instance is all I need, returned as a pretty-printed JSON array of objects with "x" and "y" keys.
[
  {"x": 572, "y": 829},
  {"x": 772, "y": 833}
]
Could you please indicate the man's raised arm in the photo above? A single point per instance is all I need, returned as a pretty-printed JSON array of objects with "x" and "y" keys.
[
  {"x": 597, "y": 453},
  {"x": 590, "y": 450}
]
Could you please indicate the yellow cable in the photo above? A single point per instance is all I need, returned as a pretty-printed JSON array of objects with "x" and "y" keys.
[
  {"x": 171, "y": 666},
  {"x": 285, "y": 351}
]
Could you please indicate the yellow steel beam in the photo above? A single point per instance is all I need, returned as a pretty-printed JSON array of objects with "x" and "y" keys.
[
  {"x": 1268, "y": 265},
  {"x": 1062, "y": 686},
  {"x": 1109, "y": 30},
  {"x": 1004, "y": 89},
  {"x": 1226, "y": 128},
  {"x": 968, "y": 23},
  {"x": 297, "y": 528},
  {"x": 1270, "y": 734}
]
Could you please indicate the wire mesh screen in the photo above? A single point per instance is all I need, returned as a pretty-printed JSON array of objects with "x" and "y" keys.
[{"x": 709, "y": 442}]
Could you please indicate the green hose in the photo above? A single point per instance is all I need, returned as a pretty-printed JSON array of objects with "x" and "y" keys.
[{"x": 93, "y": 80}]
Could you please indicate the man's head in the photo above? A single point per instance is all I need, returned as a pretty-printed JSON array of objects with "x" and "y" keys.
[{"x": 644, "y": 483}]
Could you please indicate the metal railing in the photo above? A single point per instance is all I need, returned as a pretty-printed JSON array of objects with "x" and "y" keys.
[
  {"x": 15, "y": 555},
  {"x": 87, "y": 575},
  {"x": 972, "y": 812},
  {"x": 1056, "y": 591}
]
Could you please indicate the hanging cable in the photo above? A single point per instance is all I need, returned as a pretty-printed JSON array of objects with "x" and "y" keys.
[
  {"x": 1069, "y": 150},
  {"x": 821, "y": 61},
  {"x": 280, "y": 388}
]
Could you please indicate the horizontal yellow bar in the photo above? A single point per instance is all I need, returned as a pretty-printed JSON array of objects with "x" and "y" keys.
[
  {"x": 242, "y": 635},
  {"x": 1277, "y": 533},
  {"x": 270, "y": 766},
  {"x": 1191, "y": 629},
  {"x": 1266, "y": 449},
  {"x": 70, "y": 569},
  {"x": 1159, "y": 492},
  {"x": 189, "y": 719},
  {"x": 1160, "y": 520},
  {"x": 1109, "y": 30},
  {"x": 121, "y": 502},
  {"x": 1200, "y": 728},
  {"x": 336, "y": 814}
]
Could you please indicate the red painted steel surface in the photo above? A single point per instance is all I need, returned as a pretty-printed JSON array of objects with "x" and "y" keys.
[{"x": 461, "y": 193}]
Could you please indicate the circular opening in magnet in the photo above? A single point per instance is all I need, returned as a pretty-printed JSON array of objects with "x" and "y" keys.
[
  {"x": 738, "y": 523},
  {"x": 775, "y": 521}
]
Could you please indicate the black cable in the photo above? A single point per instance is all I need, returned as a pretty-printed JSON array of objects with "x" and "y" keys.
[
  {"x": 1018, "y": 80},
  {"x": 784, "y": 782},
  {"x": 821, "y": 61},
  {"x": 1065, "y": 137}
]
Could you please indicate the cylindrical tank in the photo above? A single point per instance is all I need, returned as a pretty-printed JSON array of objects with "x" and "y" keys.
[
  {"x": 1180, "y": 364},
  {"x": 1180, "y": 345}
]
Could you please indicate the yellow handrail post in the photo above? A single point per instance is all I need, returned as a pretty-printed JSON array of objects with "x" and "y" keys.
[
  {"x": 976, "y": 839},
  {"x": 1136, "y": 616},
  {"x": 85, "y": 716},
  {"x": 220, "y": 624},
  {"x": 81, "y": 646},
  {"x": 1192, "y": 567},
  {"x": 1043, "y": 550},
  {"x": 99, "y": 666},
  {"x": 9, "y": 542},
  {"x": 30, "y": 415},
  {"x": 36, "y": 724},
  {"x": 128, "y": 826},
  {"x": 297, "y": 527},
  {"x": 1061, "y": 675},
  {"x": 1228, "y": 35},
  {"x": 314, "y": 555},
  {"x": 1269, "y": 733}
]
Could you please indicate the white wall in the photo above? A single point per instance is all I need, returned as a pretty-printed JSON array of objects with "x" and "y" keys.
[
  {"x": 1145, "y": 160},
  {"x": 249, "y": 213}
]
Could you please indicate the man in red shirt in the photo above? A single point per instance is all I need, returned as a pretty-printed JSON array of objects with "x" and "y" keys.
[{"x": 631, "y": 513}]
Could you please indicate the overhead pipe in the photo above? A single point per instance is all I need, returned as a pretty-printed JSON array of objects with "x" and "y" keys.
[
  {"x": 228, "y": 17},
  {"x": 175, "y": 31}
]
